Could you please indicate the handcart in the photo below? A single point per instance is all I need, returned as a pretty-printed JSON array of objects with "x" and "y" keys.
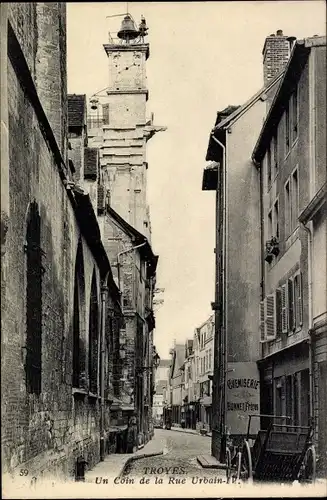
[{"x": 281, "y": 453}]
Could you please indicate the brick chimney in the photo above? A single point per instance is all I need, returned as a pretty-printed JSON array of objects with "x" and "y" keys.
[{"x": 276, "y": 51}]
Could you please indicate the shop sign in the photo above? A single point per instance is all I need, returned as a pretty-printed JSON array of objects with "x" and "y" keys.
[{"x": 243, "y": 397}]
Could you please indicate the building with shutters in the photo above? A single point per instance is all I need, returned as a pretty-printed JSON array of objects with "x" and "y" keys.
[
  {"x": 237, "y": 250},
  {"x": 176, "y": 382},
  {"x": 290, "y": 155},
  {"x": 204, "y": 361}
]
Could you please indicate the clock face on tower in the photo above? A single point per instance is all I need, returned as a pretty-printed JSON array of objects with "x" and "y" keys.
[{"x": 127, "y": 70}]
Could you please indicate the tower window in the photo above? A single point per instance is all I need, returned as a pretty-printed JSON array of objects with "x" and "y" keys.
[{"x": 33, "y": 364}]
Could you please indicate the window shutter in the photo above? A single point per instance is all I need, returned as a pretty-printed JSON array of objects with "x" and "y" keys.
[
  {"x": 291, "y": 315},
  {"x": 299, "y": 299},
  {"x": 271, "y": 317},
  {"x": 278, "y": 311},
  {"x": 262, "y": 319},
  {"x": 284, "y": 307}
]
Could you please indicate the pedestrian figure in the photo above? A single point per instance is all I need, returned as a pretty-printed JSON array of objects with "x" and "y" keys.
[{"x": 132, "y": 435}]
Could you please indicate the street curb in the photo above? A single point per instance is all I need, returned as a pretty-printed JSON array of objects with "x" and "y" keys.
[
  {"x": 219, "y": 465},
  {"x": 188, "y": 432},
  {"x": 138, "y": 457}
]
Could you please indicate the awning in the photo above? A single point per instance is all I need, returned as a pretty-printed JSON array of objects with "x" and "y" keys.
[{"x": 207, "y": 401}]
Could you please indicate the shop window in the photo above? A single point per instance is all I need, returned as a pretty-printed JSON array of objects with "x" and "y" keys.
[{"x": 34, "y": 271}]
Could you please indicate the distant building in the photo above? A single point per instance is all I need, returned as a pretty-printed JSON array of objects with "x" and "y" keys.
[
  {"x": 205, "y": 360},
  {"x": 160, "y": 398},
  {"x": 176, "y": 382},
  {"x": 188, "y": 413}
]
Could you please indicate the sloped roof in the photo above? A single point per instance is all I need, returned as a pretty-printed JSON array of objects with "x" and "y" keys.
[
  {"x": 91, "y": 160},
  {"x": 76, "y": 110},
  {"x": 228, "y": 116}
]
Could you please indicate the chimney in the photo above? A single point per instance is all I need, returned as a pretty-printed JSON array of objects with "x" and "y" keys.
[{"x": 275, "y": 52}]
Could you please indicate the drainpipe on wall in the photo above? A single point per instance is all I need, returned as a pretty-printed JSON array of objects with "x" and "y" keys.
[
  {"x": 308, "y": 230},
  {"x": 223, "y": 322}
]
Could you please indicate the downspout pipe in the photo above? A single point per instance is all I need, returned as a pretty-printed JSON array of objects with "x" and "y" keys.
[
  {"x": 223, "y": 322},
  {"x": 308, "y": 230}
]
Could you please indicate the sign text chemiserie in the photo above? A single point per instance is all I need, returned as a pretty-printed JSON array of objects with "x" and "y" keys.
[{"x": 235, "y": 383}]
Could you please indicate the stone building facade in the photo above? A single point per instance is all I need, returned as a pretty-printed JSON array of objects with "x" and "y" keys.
[
  {"x": 58, "y": 293},
  {"x": 120, "y": 130}
]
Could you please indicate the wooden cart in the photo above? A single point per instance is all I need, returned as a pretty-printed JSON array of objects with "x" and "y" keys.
[{"x": 281, "y": 453}]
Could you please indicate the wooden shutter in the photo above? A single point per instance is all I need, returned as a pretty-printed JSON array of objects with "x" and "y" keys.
[
  {"x": 299, "y": 300},
  {"x": 284, "y": 307},
  {"x": 291, "y": 311},
  {"x": 278, "y": 311},
  {"x": 262, "y": 318},
  {"x": 271, "y": 317}
]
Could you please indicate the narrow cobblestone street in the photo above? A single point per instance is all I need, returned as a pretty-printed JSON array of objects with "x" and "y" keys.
[{"x": 179, "y": 459}]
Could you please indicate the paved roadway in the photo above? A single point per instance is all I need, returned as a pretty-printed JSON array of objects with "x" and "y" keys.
[{"x": 179, "y": 459}]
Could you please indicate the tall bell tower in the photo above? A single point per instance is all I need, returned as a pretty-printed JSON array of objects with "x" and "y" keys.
[{"x": 125, "y": 128}]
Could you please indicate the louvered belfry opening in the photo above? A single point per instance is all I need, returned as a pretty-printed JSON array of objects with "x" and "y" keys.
[
  {"x": 93, "y": 337},
  {"x": 33, "y": 365},
  {"x": 79, "y": 305}
]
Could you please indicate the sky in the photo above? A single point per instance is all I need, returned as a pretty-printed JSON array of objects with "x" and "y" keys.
[{"x": 204, "y": 56}]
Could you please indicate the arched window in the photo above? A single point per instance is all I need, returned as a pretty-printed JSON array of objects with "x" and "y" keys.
[
  {"x": 33, "y": 363},
  {"x": 93, "y": 337},
  {"x": 78, "y": 321}
]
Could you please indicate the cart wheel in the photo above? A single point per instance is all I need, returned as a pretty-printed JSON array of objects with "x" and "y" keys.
[
  {"x": 308, "y": 469},
  {"x": 245, "y": 467},
  {"x": 239, "y": 465},
  {"x": 228, "y": 465}
]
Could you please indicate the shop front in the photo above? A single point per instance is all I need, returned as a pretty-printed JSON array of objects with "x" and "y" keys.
[{"x": 285, "y": 384}]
